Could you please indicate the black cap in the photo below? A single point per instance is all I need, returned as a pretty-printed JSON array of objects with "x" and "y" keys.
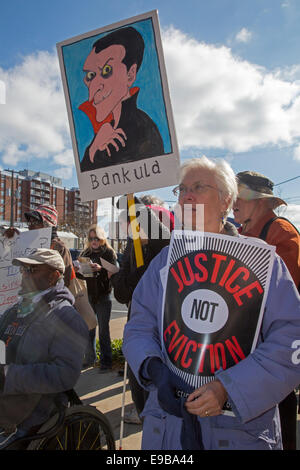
[{"x": 33, "y": 215}]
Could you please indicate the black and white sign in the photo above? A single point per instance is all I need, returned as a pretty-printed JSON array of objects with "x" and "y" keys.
[{"x": 213, "y": 302}]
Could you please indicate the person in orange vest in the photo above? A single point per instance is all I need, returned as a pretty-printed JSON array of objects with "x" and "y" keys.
[{"x": 254, "y": 210}]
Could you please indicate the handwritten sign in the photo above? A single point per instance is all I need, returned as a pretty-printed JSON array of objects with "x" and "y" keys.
[{"x": 20, "y": 246}]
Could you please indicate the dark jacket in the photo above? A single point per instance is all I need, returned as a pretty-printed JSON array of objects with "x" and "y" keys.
[
  {"x": 99, "y": 285},
  {"x": 125, "y": 281}
]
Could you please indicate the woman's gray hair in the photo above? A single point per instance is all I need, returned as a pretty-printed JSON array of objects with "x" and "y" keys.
[{"x": 224, "y": 175}]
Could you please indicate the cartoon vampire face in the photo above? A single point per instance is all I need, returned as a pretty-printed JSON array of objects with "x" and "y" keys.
[{"x": 123, "y": 132}]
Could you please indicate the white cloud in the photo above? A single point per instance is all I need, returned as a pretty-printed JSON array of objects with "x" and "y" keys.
[
  {"x": 244, "y": 35},
  {"x": 289, "y": 73},
  {"x": 64, "y": 172},
  {"x": 219, "y": 101},
  {"x": 12, "y": 154},
  {"x": 297, "y": 153},
  {"x": 2, "y": 92},
  {"x": 33, "y": 122},
  {"x": 291, "y": 212},
  {"x": 65, "y": 158},
  {"x": 222, "y": 101}
]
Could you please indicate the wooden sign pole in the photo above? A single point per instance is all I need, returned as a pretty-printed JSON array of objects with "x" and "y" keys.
[
  {"x": 135, "y": 231},
  {"x": 139, "y": 262}
]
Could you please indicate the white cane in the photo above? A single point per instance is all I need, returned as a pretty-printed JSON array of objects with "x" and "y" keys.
[
  {"x": 123, "y": 406},
  {"x": 139, "y": 258}
]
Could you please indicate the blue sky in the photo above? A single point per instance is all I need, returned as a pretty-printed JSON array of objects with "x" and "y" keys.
[{"x": 233, "y": 70}]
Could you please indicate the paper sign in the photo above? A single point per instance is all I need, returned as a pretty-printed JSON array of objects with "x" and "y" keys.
[
  {"x": 112, "y": 268},
  {"x": 19, "y": 246},
  {"x": 119, "y": 108},
  {"x": 213, "y": 302},
  {"x": 85, "y": 266}
]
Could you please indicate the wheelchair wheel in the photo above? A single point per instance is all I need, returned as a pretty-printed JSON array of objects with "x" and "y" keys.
[{"x": 84, "y": 428}]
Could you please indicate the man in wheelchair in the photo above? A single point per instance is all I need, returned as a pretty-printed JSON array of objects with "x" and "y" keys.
[{"x": 43, "y": 340}]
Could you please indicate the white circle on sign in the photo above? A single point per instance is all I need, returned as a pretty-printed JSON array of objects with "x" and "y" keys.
[{"x": 204, "y": 311}]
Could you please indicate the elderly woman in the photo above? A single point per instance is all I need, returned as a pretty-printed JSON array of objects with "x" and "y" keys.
[{"x": 253, "y": 386}]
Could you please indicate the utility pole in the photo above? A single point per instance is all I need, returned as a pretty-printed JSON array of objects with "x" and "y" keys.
[
  {"x": 12, "y": 200},
  {"x": 113, "y": 220},
  {"x": 12, "y": 197}
]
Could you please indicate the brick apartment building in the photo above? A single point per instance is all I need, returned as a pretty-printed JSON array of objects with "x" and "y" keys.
[{"x": 31, "y": 189}]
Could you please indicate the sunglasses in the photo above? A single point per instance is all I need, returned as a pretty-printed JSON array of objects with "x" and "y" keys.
[
  {"x": 34, "y": 222},
  {"x": 94, "y": 239}
]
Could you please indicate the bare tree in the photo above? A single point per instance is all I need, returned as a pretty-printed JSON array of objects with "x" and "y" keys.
[{"x": 77, "y": 223}]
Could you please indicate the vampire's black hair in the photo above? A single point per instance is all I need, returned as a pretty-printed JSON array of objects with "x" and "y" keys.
[{"x": 128, "y": 37}]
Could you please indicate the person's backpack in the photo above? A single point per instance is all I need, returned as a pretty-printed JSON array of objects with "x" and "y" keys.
[
  {"x": 265, "y": 229},
  {"x": 263, "y": 236}
]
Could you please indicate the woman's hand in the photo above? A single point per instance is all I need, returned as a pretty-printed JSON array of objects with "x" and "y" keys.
[
  {"x": 207, "y": 400},
  {"x": 9, "y": 233},
  {"x": 96, "y": 267}
]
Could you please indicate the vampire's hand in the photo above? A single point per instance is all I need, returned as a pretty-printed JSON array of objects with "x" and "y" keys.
[{"x": 105, "y": 136}]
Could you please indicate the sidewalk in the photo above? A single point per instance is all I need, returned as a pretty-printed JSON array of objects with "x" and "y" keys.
[{"x": 105, "y": 392}]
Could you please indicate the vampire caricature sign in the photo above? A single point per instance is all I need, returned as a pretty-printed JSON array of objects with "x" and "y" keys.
[
  {"x": 214, "y": 300},
  {"x": 119, "y": 108}
]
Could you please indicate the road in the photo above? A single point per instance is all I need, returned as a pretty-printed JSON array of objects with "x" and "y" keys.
[{"x": 118, "y": 310}]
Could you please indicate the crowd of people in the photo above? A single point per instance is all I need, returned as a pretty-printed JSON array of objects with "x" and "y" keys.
[{"x": 48, "y": 343}]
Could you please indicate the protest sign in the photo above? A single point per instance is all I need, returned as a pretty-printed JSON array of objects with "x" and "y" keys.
[
  {"x": 119, "y": 108},
  {"x": 20, "y": 246},
  {"x": 111, "y": 268},
  {"x": 214, "y": 297}
]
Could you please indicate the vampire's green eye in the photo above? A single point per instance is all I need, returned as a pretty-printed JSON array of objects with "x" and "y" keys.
[
  {"x": 89, "y": 76},
  {"x": 106, "y": 71}
]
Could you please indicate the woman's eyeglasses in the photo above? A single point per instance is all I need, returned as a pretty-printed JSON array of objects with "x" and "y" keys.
[
  {"x": 94, "y": 239},
  {"x": 196, "y": 188}
]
